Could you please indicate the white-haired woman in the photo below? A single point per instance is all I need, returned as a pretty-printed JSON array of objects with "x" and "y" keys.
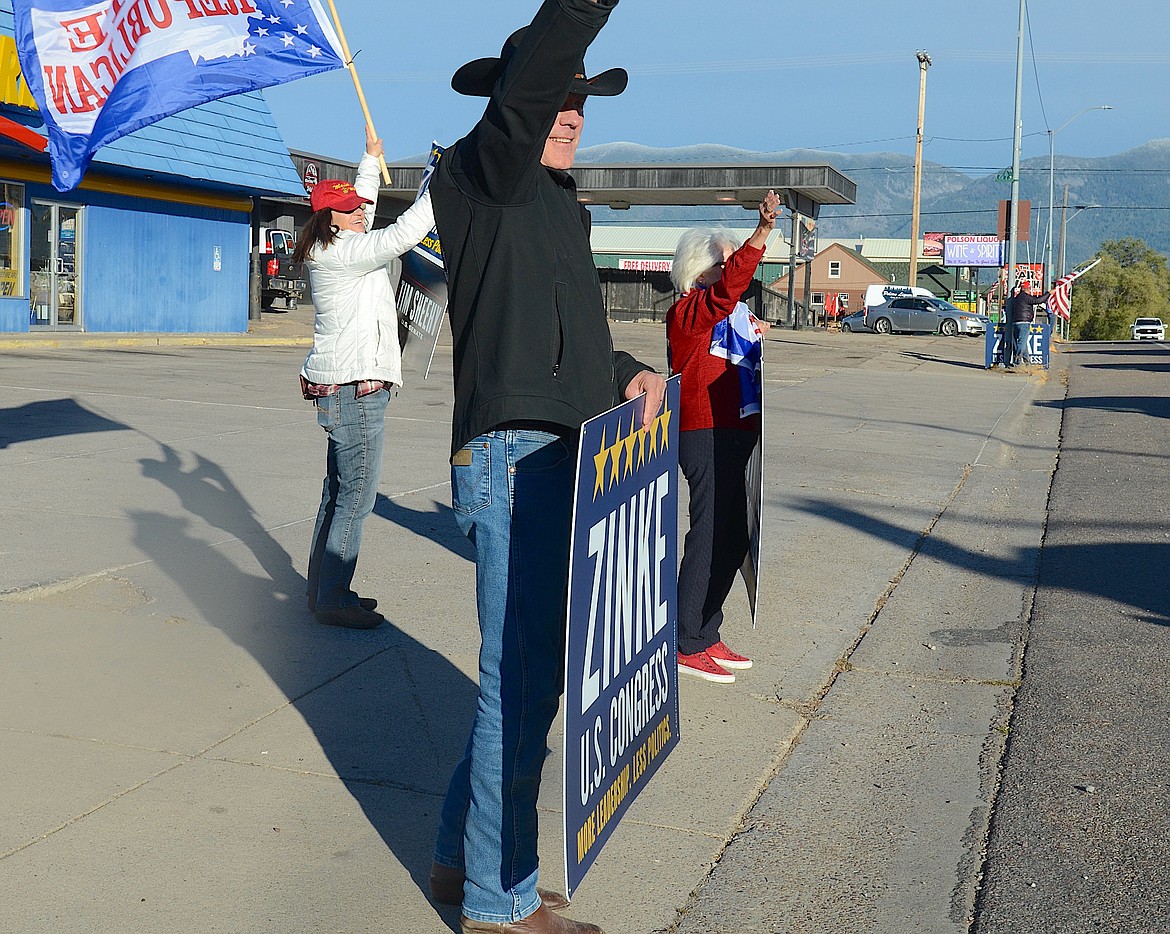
[{"x": 714, "y": 343}]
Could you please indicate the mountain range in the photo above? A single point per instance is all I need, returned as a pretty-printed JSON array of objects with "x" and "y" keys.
[{"x": 1127, "y": 194}]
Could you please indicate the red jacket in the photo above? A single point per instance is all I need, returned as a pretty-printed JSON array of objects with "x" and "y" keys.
[{"x": 709, "y": 390}]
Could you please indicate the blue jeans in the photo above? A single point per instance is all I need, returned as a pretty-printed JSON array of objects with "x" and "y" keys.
[
  {"x": 514, "y": 502},
  {"x": 1023, "y": 331},
  {"x": 354, "y": 465}
]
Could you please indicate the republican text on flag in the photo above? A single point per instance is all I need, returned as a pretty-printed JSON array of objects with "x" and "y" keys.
[{"x": 102, "y": 43}]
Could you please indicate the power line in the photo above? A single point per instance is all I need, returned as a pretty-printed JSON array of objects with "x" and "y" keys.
[{"x": 1035, "y": 69}]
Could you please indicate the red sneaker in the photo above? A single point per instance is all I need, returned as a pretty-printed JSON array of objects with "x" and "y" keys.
[
  {"x": 700, "y": 665},
  {"x": 720, "y": 653}
]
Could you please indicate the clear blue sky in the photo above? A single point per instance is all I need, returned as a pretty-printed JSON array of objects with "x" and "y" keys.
[{"x": 834, "y": 75}]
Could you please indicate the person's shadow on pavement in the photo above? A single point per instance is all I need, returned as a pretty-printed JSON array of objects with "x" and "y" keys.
[{"x": 387, "y": 711}]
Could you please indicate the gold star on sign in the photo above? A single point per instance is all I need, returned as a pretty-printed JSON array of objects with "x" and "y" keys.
[
  {"x": 631, "y": 440},
  {"x": 665, "y": 419},
  {"x": 599, "y": 466},
  {"x": 616, "y": 457}
]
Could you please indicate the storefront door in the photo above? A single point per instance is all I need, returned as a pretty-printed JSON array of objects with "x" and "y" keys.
[{"x": 54, "y": 275}]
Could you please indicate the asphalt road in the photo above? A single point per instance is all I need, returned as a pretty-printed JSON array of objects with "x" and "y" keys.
[{"x": 1079, "y": 839}]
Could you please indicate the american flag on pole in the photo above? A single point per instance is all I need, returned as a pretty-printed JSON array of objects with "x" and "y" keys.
[
  {"x": 101, "y": 70},
  {"x": 1060, "y": 298}
]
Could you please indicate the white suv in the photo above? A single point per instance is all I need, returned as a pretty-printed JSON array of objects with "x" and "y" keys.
[{"x": 1148, "y": 329}]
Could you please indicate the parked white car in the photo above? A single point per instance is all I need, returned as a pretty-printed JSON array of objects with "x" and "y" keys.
[{"x": 1148, "y": 329}]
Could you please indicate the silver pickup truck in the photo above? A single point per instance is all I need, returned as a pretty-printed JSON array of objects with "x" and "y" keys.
[{"x": 280, "y": 277}]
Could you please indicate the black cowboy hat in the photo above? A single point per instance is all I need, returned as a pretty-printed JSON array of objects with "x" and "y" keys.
[{"x": 477, "y": 78}]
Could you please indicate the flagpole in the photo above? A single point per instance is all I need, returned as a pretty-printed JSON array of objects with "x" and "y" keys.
[{"x": 357, "y": 85}]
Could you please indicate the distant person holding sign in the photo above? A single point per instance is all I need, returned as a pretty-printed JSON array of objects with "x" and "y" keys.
[
  {"x": 533, "y": 360},
  {"x": 1019, "y": 314},
  {"x": 353, "y": 364},
  {"x": 715, "y": 344}
]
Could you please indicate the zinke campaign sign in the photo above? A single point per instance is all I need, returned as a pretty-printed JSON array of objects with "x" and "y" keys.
[
  {"x": 100, "y": 71},
  {"x": 621, "y": 674}
]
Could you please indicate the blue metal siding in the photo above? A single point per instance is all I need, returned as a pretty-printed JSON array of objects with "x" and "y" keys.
[
  {"x": 13, "y": 315},
  {"x": 229, "y": 143},
  {"x": 162, "y": 277}
]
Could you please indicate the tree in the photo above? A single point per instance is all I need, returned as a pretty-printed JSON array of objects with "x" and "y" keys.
[{"x": 1132, "y": 280}]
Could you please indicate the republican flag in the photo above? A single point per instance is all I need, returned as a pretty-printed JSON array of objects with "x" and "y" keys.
[
  {"x": 1060, "y": 298},
  {"x": 101, "y": 70},
  {"x": 738, "y": 339}
]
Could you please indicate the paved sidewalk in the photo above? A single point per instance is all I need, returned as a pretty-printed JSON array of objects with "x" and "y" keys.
[{"x": 187, "y": 751}]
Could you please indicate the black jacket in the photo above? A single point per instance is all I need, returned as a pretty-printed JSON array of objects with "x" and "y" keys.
[
  {"x": 531, "y": 339},
  {"x": 1022, "y": 306}
]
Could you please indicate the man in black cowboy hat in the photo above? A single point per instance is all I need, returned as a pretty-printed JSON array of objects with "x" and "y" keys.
[{"x": 533, "y": 359}]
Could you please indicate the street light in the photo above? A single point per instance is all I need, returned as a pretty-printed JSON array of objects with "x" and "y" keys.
[
  {"x": 1064, "y": 223},
  {"x": 1052, "y": 187},
  {"x": 1064, "y": 219}
]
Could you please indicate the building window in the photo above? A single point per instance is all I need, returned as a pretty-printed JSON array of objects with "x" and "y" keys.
[
  {"x": 818, "y": 298},
  {"x": 834, "y": 270},
  {"x": 11, "y": 239},
  {"x": 843, "y": 300}
]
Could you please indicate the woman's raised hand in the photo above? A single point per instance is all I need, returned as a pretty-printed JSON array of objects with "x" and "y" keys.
[
  {"x": 769, "y": 210},
  {"x": 373, "y": 143}
]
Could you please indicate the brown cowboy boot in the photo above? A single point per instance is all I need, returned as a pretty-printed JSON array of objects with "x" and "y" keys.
[
  {"x": 447, "y": 888},
  {"x": 541, "y": 921}
]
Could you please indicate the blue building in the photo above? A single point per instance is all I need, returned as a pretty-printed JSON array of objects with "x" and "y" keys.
[{"x": 157, "y": 236}]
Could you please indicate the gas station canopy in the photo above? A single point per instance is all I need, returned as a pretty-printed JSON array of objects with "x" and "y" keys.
[{"x": 804, "y": 187}]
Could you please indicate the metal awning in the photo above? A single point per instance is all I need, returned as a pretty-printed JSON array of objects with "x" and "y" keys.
[{"x": 804, "y": 187}]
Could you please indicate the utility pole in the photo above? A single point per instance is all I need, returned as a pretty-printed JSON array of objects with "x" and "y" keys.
[
  {"x": 792, "y": 253},
  {"x": 923, "y": 64},
  {"x": 1017, "y": 133}
]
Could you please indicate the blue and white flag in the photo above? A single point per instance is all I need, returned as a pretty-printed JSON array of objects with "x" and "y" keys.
[
  {"x": 738, "y": 339},
  {"x": 101, "y": 70}
]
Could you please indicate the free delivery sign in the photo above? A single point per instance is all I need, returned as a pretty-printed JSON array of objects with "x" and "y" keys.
[{"x": 621, "y": 669}]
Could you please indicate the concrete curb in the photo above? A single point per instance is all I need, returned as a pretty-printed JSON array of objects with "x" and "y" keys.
[{"x": 98, "y": 341}]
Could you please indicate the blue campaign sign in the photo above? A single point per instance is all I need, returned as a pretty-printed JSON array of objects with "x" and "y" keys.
[
  {"x": 1036, "y": 352},
  {"x": 621, "y": 668},
  {"x": 422, "y": 291}
]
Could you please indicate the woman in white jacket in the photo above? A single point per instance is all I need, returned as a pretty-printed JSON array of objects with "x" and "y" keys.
[{"x": 354, "y": 363}]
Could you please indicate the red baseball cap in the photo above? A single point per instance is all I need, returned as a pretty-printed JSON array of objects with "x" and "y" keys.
[{"x": 336, "y": 194}]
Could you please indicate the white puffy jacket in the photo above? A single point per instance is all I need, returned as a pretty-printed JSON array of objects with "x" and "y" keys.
[{"x": 355, "y": 331}]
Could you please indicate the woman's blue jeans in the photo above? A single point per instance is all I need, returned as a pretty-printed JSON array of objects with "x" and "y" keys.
[
  {"x": 514, "y": 502},
  {"x": 354, "y": 466}
]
